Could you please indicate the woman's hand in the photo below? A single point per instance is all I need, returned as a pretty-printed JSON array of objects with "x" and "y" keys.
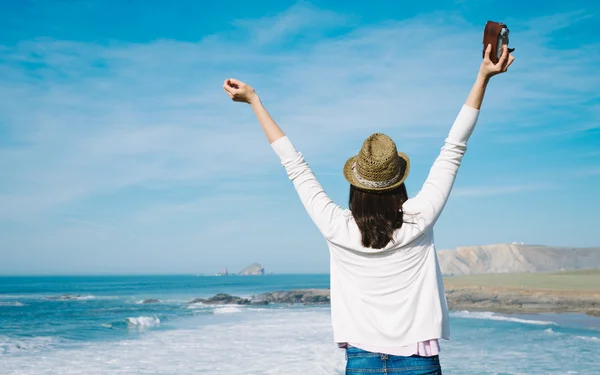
[
  {"x": 238, "y": 91},
  {"x": 488, "y": 69}
]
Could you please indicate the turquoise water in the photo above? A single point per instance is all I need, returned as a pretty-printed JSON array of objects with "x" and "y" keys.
[
  {"x": 104, "y": 308},
  {"x": 103, "y": 327}
]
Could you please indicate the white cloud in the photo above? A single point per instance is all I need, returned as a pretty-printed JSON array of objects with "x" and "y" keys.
[{"x": 302, "y": 19}]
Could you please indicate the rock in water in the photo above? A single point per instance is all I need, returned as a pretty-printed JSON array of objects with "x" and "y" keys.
[
  {"x": 222, "y": 299},
  {"x": 65, "y": 297},
  {"x": 254, "y": 269},
  {"x": 151, "y": 300},
  {"x": 305, "y": 296}
]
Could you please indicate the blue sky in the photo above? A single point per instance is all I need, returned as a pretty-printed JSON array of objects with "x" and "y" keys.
[{"x": 120, "y": 153}]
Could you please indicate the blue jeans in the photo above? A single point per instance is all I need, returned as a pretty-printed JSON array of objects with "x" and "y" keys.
[{"x": 361, "y": 362}]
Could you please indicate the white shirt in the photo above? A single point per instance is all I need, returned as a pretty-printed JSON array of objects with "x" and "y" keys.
[{"x": 394, "y": 296}]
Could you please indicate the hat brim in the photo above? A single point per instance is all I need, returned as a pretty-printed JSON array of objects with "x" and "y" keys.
[{"x": 349, "y": 175}]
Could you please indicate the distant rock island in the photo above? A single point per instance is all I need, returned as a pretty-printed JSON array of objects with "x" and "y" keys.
[
  {"x": 254, "y": 269},
  {"x": 516, "y": 258}
]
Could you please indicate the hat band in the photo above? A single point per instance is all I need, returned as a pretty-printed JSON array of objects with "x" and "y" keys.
[{"x": 375, "y": 184}]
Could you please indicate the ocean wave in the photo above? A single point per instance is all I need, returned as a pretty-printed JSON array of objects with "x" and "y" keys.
[
  {"x": 227, "y": 310},
  {"x": 196, "y": 306},
  {"x": 275, "y": 339},
  {"x": 12, "y": 304},
  {"x": 10, "y": 345},
  {"x": 20, "y": 296},
  {"x": 493, "y": 316},
  {"x": 61, "y": 297},
  {"x": 74, "y": 297},
  {"x": 143, "y": 321},
  {"x": 148, "y": 301},
  {"x": 85, "y": 298},
  {"x": 589, "y": 338},
  {"x": 201, "y": 309},
  {"x": 176, "y": 351},
  {"x": 585, "y": 338}
]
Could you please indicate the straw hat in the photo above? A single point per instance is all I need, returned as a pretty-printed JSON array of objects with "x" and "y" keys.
[{"x": 378, "y": 166}]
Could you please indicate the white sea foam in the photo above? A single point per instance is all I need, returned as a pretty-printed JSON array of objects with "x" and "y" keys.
[
  {"x": 12, "y": 304},
  {"x": 85, "y": 298},
  {"x": 585, "y": 338},
  {"x": 54, "y": 297},
  {"x": 227, "y": 310},
  {"x": 20, "y": 296},
  {"x": 10, "y": 345},
  {"x": 589, "y": 338},
  {"x": 73, "y": 297},
  {"x": 277, "y": 339},
  {"x": 297, "y": 341},
  {"x": 194, "y": 306},
  {"x": 91, "y": 296},
  {"x": 493, "y": 316},
  {"x": 142, "y": 302},
  {"x": 144, "y": 321}
]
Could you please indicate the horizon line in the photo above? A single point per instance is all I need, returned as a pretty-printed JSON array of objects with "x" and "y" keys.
[{"x": 157, "y": 274}]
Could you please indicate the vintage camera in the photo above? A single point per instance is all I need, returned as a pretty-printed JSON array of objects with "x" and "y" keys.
[{"x": 496, "y": 34}]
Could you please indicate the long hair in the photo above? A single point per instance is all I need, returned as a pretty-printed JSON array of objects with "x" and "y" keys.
[{"x": 377, "y": 215}]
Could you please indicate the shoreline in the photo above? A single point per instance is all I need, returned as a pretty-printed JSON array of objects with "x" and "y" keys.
[{"x": 522, "y": 301}]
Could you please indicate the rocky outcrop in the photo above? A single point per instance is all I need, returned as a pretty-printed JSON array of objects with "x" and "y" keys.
[
  {"x": 66, "y": 297},
  {"x": 304, "y": 296},
  {"x": 516, "y": 258},
  {"x": 254, "y": 269},
  {"x": 222, "y": 299},
  {"x": 151, "y": 300}
]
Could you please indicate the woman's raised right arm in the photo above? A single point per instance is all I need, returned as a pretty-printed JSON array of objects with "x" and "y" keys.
[
  {"x": 430, "y": 201},
  {"x": 323, "y": 211}
]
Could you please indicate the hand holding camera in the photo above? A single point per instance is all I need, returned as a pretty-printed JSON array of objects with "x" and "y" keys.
[{"x": 496, "y": 54}]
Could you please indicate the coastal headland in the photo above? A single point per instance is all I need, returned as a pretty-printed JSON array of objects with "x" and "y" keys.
[{"x": 526, "y": 293}]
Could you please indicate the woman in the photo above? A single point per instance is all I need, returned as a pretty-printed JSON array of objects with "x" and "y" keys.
[{"x": 388, "y": 303}]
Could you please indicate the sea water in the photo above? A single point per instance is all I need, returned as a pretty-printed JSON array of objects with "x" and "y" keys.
[{"x": 103, "y": 327}]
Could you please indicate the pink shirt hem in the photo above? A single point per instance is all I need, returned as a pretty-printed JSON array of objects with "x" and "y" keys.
[{"x": 427, "y": 348}]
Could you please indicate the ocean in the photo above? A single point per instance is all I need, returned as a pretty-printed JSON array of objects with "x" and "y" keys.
[{"x": 103, "y": 328}]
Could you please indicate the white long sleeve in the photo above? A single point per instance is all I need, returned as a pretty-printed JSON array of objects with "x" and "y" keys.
[
  {"x": 432, "y": 197},
  {"x": 319, "y": 206}
]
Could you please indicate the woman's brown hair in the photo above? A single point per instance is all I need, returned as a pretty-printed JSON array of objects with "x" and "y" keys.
[{"x": 377, "y": 215}]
